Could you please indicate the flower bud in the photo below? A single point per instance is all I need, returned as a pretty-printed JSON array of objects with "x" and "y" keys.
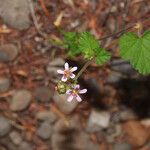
[{"x": 61, "y": 87}]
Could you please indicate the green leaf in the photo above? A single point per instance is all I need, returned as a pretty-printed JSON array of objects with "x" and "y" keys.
[
  {"x": 88, "y": 44},
  {"x": 136, "y": 50},
  {"x": 102, "y": 57},
  {"x": 71, "y": 42}
]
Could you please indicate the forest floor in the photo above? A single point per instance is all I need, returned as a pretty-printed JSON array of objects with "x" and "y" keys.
[{"x": 115, "y": 112}]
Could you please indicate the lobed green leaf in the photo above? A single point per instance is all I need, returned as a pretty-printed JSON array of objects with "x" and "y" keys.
[{"x": 136, "y": 50}]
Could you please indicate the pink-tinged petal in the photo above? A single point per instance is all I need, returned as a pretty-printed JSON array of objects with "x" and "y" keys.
[
  {"x": 72, "y": 76},
  {"x": 64, "y": 79},
  {"x": 73, "y": 69},
  {"x": 60, "y": 71},
  {"x": 68, "y": 91},
  {"x": 78, "y": 98},
  {"x": 77, "y": 86},
  {"x": 66, "y": 66},
  {"x": 83, "y": 91},
  {"x": 70, "y": 98}
]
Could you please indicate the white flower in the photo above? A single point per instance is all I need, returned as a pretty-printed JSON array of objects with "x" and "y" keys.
[
  {"x": 67, "y": 72},
  {"x": 74, "y": 93}
]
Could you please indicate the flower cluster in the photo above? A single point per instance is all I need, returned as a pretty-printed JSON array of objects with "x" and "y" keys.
[{"x": 68, "y": 84}]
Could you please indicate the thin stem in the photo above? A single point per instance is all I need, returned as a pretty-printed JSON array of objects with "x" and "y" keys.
[
  {"x": 84, "y": 68},
  {"x": 140, "y": 29},
  {"x": 37, "y": 26},
  {"x": 143, "y": 21}
]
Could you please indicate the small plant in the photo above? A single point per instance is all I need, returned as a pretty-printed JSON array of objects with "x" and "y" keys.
[
  {"x": 68, "y": 84},
  {"x": 134, "y": 48}
]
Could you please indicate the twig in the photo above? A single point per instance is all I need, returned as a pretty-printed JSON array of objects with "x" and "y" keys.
[
  {"x": 44, "y": 8},
  {"x": 35, "y": 19},
  {"x": 116, "y": 33},
  {"x": 59, "y": 113},
  {"x": 123, "y": 30}
]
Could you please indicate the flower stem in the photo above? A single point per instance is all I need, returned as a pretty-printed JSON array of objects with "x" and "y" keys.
[{"x": 83, "y": 68}]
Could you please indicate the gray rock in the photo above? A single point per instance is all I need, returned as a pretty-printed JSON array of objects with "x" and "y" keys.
[
  {"x": 65, "y": 106},
  {"x": 127, "y": 114},
  {"x": 45, "y": 130},
  {"x": 15, "y": 13},
  {"x": 122, "y": 146},
  {"x": 57, "y": 62},
  {"x": 53, "y": 66},
  {"x": 43, "y": 94},
  {"x": 71, "y": 141},
  {"x": 113, "y": 77},
  {"x": 122, "y": 67},
  {"x": 46, "y": 116},
  {"x": 52, "y": 71},
  {"x": 68, "y": 137},
  {"x": 20, "y": 100},
  {"x": 2, "y": 147},
  {"x": 4, "y": 84},
  {"x": 6, "y": 142},
  {"x": 98, "y": 120},
  {"x": 113, "y": 132},
  {"x": 15, "y": 137},
  {"x": 25, "y": 146},
  {"x": 4, "y": 126},
  {"x": 8, "y": 52},
  {"x": 148, "y": 144}
]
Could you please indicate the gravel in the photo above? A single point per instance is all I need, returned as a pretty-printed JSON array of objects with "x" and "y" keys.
[
  {"x": 20, "y": 100},
  {"x": 8, "y": 52},
  {"x": 43, "y": 94},
  {"x": 4, "y": 84},
  {"x": 45, "y": 130},
  {"x": 25, "y": 146},
  {"x": 98, "y": 120},
  {"x": 46, "y": 116},
  {"x": 62, "y": 103},
  {"x": 15, "y": 137},
  {"x": 122, "y": 146},
  {"x": 5, "y": 126},
  {"x": 15, "y": 13}
]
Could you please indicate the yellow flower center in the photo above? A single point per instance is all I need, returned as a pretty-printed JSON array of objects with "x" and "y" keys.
[
  {"x": 67, "y": 73},
  {"x": 75, "y": 92}
]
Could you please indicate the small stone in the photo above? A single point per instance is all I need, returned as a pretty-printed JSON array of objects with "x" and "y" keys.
[
  {"x": 52, "y": 71},
  {"x": 113, "y": 78},
  {"x": 113, "y": 132},
  {"x": 2, "y": 147},
  {"x": 62, "y": 103},
  {"x": 127, "y": 114},
  {"x": 20, "y": 100},
  {"x": 15, "y": 13},
  {"x": 38, "y": 39},
  {"x": 53, "y": 66},
  {"x": 122, "y": 146},
  {"x": 146, "y": 146},
  {"x": 25, "y": 146},
  {"x": 137, "y": 134},
  {"x": 67, "y": 137},
  {"x": 8, "y": 52},
  {"x": 98, "y": 120},
  {"x": 4, "y": 84},
  {"x": 122, "y": 67},
  {"x": 45, "y": 130},
  {"x": 57, "y": 62},
  {"x": 15, "y": 137},
  {"x": 46, "y": 116},
  {"x": 43, "y": 94},
  {"x": 146, "y": 122},
  {"x": 4, "y": 126}
]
